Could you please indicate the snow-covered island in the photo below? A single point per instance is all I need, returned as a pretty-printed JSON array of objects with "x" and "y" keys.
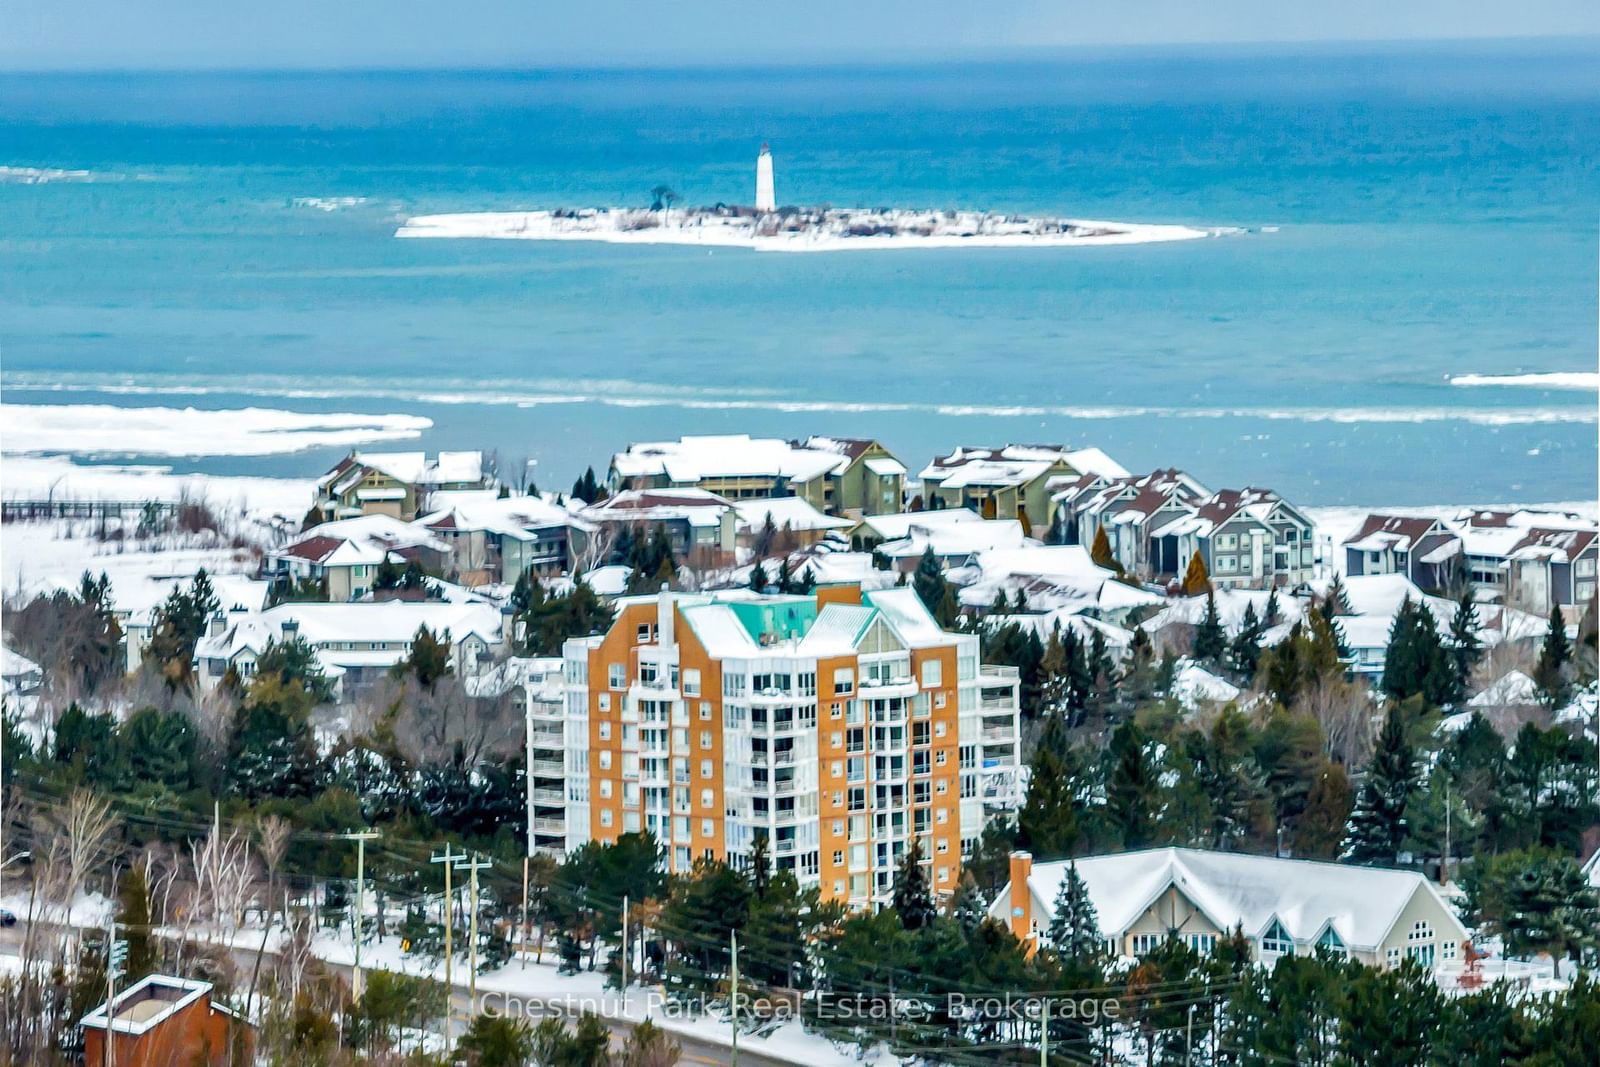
[
  {"x": 766, "y": 227},
  {"x": 797, "y": 229}
]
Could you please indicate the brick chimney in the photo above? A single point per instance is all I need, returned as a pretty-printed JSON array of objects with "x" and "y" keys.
[
  {"x": 838, "y": 594},
  {"x": 1021, "y": 902}
]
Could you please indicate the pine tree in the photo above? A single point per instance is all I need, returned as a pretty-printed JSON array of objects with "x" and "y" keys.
[
  {"x": 428, "y": 660},
  {"x": 1244, "y": 651},
  {"x": 912, "y": 900},
  {"x": 1336, "y": 601},
  {"x": 1100, "y": 551},
  {"x": 1196, "y": 579},
  {"x": 929, "y": 581},
  {"x": 1269, "y": 617},
  {"x": 1465, "y": 647},
  {"x": 1416, "y": 662},
  {"x": 758, "y": 577},
  {"x": 967, "y": 906},
  {"x": 1047, "y": 823},
  {"x": 1378, "y": 825},
  {"x": 808, "y": 581},
  {"x": 1210, "y": 640},
  {"x": 1132, "y": 786},
  {"x": 1550, "y": 673},
  {"x": 785, "y": 581},
  {"x": 1074, "y": 927}
]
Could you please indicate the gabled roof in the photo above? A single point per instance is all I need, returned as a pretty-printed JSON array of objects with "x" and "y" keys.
[
  {"x": 1562, "y": 545},
  {"x": 1401, "y": 533},
  {"x": 898, "y": 524},
  {"x": 697, "y": 458},
  {"x": 409, "y": 468},
  {"x": 698, "y": 507},
  {"x": 486, "y": 510},
  {"x": 363, "y": 539},
  {"x": 1015, "y": 465},
  {"x": 1236, "y": 890},
  {"x": 792, "y": 511}
]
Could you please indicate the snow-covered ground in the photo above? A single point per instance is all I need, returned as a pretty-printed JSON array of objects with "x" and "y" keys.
[
  {"x": 831, "y": 231},
  {"x": 59, "y": 478}
]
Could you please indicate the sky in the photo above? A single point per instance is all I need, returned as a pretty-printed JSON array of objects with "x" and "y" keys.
[{"x": 208, "y": 34}]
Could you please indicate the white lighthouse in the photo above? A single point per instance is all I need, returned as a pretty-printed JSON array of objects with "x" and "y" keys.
[{"x": 766, "y": 198}]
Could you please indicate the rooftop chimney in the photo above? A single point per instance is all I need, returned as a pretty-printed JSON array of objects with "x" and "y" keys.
[
  {"x": 1021, "y": 901},
  {"x": 664, "y": 634}
]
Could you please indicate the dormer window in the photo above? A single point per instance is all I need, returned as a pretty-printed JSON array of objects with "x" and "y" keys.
[
  {"x": 1330, "y": 941},
  {"x": 1277, "y": 940}
]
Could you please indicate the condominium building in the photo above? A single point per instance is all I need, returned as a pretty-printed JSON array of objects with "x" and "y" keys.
[{"x": 840, "y": 725}]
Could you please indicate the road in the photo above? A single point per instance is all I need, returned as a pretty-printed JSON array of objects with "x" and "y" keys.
[{"x": 696, "y": 1050}]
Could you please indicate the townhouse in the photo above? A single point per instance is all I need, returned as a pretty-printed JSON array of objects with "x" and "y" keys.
[
  {"x": 1248, "y": 538},
  {"x": 1128, "y": 509},
  {"x": 1284, "y": 907},
  {"x": 840, "y": 726},
  {"x": 1552, "y": 567},
  {"x": 497, "y": 539},
  {"x": 1011, "y": 482},
  {"x": 396, "y": 484},
  {"x": 343, "y": 556},
  {"x": 837, "y": 476},
  {"x": 1424, "y": 550},
  {"x": 699, "y": 525}
]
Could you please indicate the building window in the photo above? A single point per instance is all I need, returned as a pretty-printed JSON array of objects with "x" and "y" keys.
[
  {"x": 1204, "y": 944},
  {"x": 605, "y": 816},
  {"x": 1225, "y": 564},
  {"x": 932, "y": 673},
  {"x": 705, "y": 768},
  {"x": 691, "y": 682},
  {"x": 605, "y": 731},
  {"x": 705, "y": 738},
  {"x": 1277, "y": 939},
  {"x": 617, "y": 675},
  {"x": 1330, "y": 941},
  {"x": 605, "y": 788},
  {"x": 605, "y": 760},
  {"x": 1145, "y": 943},
  {"x": 707, "y": 798},
  {"x": 604, "y": 702},
  {"x": 838, "y": 857},
  {"x": 844, "y": 680}
]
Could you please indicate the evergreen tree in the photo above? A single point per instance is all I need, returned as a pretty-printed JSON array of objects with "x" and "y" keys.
[
  {"x": 1140, "y": 677},
  {"x": 1074, "y": 927},
  {"x": 1210, "y": 640},
  {"x": 1047, "y": 823},
  {"x": 1319, "y": 830},
  {"x": 808, "y": 581},
  {"x": 388, "y": 575},
  {"x": 1336, "y": 601},
  {"x": 1100, "y": 551},
  {"x": 1244, "y": 651},
  {"x": 967, "y": 906},
  {"x": 160, "y": 748},
  {"x": 1269, "y": 617},
  {"x": 1195, "y": 579},
  {"x": 1378, "y": 825},
  {"x": 429, "y": 658},
  {"x": 785, "y": 582},
  {"x": 758, "y": 577},
  {"x": 180, "y": 622},
  {"x": 133, "y": 916},
  {"x": 929, "y": 581},
  {"x": 414, "y": 579},
  {"x": 1465, "y": 647},
  {"x": 295, "y": 660},
  {"x": 1550, "y": 673},
  {"x": 913, "y": 901},
  {"x": 1132, "y": 786},
  {"x": 1417, "y": 662}
]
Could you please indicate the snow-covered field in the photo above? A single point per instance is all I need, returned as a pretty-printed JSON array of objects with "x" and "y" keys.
[{"x": 829, "y": 233}]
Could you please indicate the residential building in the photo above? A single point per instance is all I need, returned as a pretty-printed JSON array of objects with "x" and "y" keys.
[
  {"x": 1423, "y": 549},
  {"x": 795, "y": 522},
  {"x": 396, "y": 484},
  {"x": 355, "y": 644},
  {"x": 873, "y": 530},
  {"x": 1553, "y": 567},
  {"x": 1011, "y": 482},
  {"x": 498, "y": 539},
  {"x": 840, "y": 725},
  {"x": 837, "y": 476},
  {"x": 343, "y": 556},
  {"x": 700, "y": 525},
  {"x": 538, "y": 691},
  {"x": 1284, "y": 907},
  {"x": 161, "y": 1021},
  {"x": 1248, "y": 538},
  {"x": 953, "y": 544},
  {"x": 1129, "y": 510}
]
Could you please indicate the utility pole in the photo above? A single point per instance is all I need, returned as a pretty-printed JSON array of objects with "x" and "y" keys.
[
  {"x": 472, "y": 867},
  {"x": 733, "y": 999},
  {"x": 449, "y": 862},
  {"x": 360, "y": 837},
  {"x": 1044, "y": 1032},
  {"x": 624, "y": 953},
  {"x": 1188, "y": 1038},
  {"x": 116, "y": 956},
  {"x": 1444, "y": 860},
  {"x": 525, "y": 913}
]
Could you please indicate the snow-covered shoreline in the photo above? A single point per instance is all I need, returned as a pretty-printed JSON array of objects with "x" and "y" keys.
[{"x": 827, "y": 231}]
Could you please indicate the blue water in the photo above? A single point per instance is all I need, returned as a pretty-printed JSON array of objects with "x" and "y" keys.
[{"x": 1435, "y": 211}]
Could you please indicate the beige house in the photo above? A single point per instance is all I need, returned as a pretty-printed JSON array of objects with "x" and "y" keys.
[
  {"x": 1283, "y": 906},
  {"x": 396, "y": 484},
  {"x": 837, "y": 476},
  {"x": 1013, "y": 482},
  {"x": 344, "y": 556}
]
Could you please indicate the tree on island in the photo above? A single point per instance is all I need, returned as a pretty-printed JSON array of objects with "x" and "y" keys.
[{"x": 662, "y": 198}]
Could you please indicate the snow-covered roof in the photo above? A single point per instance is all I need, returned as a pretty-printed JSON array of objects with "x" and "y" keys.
[
  {"x": 886, "y": 466},
  {"x": 147, "y": 1004},
  {"x": 693, "y": 459},
  {"x": 1509, "y": 690},
  {"x": 386, "y": 620},
  {"x": 1015, "y": 465},
  {"x": 893, "y": 526},
  {"x": 486, "y": 510},
  {"x": 737, "y": 624},
  {"x": 1562, "y": 545},
  {"x": 958, "y": 539},
  {"x": 365, "y": 539},
  {"x": 1236, "y": 890},
  {"x": 1193, "y": 685},
  {"x": 411, "y": 468},
  {"x": 697, "y": 507},
  {"x": 792, "y": 511},
  {"x": 1052, "y": 578}
]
